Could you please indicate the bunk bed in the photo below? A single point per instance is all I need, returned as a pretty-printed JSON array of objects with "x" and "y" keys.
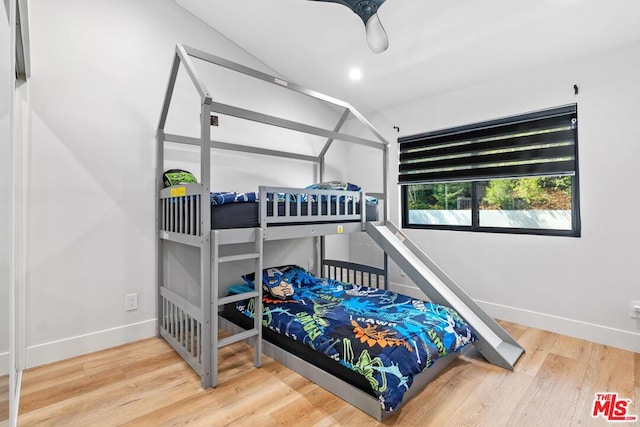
[{"x": 186, "y": 218}]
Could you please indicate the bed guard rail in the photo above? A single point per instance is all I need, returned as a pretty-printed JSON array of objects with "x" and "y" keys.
[
  {"x": 280, "y": 205},
  {"x": 351, "y": 272},
  {"x": 180, "y": 210}
]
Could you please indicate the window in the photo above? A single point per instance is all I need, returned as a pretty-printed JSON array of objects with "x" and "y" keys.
[{"x": 512, "y": 175}]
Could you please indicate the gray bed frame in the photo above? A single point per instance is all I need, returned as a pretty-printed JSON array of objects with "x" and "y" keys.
[{"x": 183, "y": 217}]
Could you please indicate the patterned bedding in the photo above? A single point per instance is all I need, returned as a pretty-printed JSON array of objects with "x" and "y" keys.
[
  {"x": 224, "y": 197},
  {"x": 383, "y": 336}
]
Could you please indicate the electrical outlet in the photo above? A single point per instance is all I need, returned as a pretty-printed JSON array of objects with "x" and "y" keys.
[
  {"x": 131, "y": 302},
  {"x": 635, "y": 309}
]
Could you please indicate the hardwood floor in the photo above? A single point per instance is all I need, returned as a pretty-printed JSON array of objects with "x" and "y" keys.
[
  {"x": 4, "y": 399},
  {"x": 147, "y": 384}
]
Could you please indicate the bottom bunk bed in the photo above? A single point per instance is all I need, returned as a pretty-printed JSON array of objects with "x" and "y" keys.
[{"x": 371, "y": 347}]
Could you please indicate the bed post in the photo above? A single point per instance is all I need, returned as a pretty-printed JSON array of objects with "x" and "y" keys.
[
  {"x": 322, "y": 158},
  {"x": 257, "y": 306},
  {"x": 385, "y": 213},
  {"x": 160, "y": 139},
  {"x": 322, "y": 245},
  {"x": 213, "y": 309},
  {"x": 158, "y": 240},
  {"x": 205, "y": 249}
]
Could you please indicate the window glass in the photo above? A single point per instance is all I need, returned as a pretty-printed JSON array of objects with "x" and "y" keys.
[
  {"x": 528, "y": 203},
  {"x": 440, "y": 204}
]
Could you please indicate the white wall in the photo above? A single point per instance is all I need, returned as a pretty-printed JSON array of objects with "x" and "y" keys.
[
  {"x": 100, "y": 70},
  {"x": 576, "y": 286}
]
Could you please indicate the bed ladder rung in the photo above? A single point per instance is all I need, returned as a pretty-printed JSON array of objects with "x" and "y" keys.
[
  {"x": 254, "y": 334},
  {"x": 237, "y": 297},
  {"x": 237, "y": 337},
  {"x": 240, "y": 257}
]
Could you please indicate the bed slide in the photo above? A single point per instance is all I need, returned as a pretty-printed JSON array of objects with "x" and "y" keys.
[{"x": 494, "y": 343}]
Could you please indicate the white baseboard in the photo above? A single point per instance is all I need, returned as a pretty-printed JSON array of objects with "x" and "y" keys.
[
  {"x": 75, "y": 346},
  {"x": 4, "y": 364},
  {"x": 605, "y": 335},
  {"x": 54, "y": 351}
]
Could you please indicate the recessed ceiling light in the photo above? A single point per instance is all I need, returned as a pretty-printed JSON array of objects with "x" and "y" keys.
[{"x": 355, "y": 74}]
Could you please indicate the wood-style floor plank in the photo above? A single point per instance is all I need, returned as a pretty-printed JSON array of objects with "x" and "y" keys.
[
  {"x": 4, "y": 398},
  {"x": 537, "y": 345},
  {"x": 636, "y": 401},
  {"x": 455, "y": 385},
  {"x": 478, "y": 410},
  {"x": 610, "y": 370},
  {"x": 147, "y": 384},
  {"x": 572, "y": 348},
  {"x": 637, "y": 369},
  {"x": 553, "y": 394}
]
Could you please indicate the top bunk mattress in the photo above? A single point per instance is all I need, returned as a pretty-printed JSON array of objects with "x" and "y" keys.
[
  {"x": 247, "y": 215},
  {"x": 338, "y": 203}
]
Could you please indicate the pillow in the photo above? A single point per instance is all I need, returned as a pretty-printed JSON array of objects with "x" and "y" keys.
[
  {"x": 334, "y": 185},
  {"x": 178, "y": 176},
  {"x": 279, "y": 282},
  {"x": 223, "y": 197},
  {"x": 240, "y": 288}
]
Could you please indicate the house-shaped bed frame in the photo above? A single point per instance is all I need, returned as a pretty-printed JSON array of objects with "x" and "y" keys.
[{"x": 184, "y": 217}]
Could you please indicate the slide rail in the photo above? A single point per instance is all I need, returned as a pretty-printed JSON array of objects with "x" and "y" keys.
[{"x": 494, "y": 343}]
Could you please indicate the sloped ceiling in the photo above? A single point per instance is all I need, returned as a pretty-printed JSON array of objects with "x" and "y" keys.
[{"x": 435, "y": 45}]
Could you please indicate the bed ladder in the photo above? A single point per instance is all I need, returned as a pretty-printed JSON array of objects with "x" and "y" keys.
[
  {"x": 253, "y": 335},
  {"x": 494, "y": 343}
]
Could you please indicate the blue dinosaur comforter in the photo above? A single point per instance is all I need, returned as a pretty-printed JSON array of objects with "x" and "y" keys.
[{"x": 383, "y": 336}]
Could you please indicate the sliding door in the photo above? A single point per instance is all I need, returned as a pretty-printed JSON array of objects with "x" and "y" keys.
[{"x": 5, "y": 209}]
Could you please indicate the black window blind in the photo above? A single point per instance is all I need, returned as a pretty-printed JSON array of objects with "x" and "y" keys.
[{"x": 534, "y": 144}]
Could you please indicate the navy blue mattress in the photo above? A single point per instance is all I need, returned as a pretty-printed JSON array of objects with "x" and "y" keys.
[{"x": 246, "y": 215}]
